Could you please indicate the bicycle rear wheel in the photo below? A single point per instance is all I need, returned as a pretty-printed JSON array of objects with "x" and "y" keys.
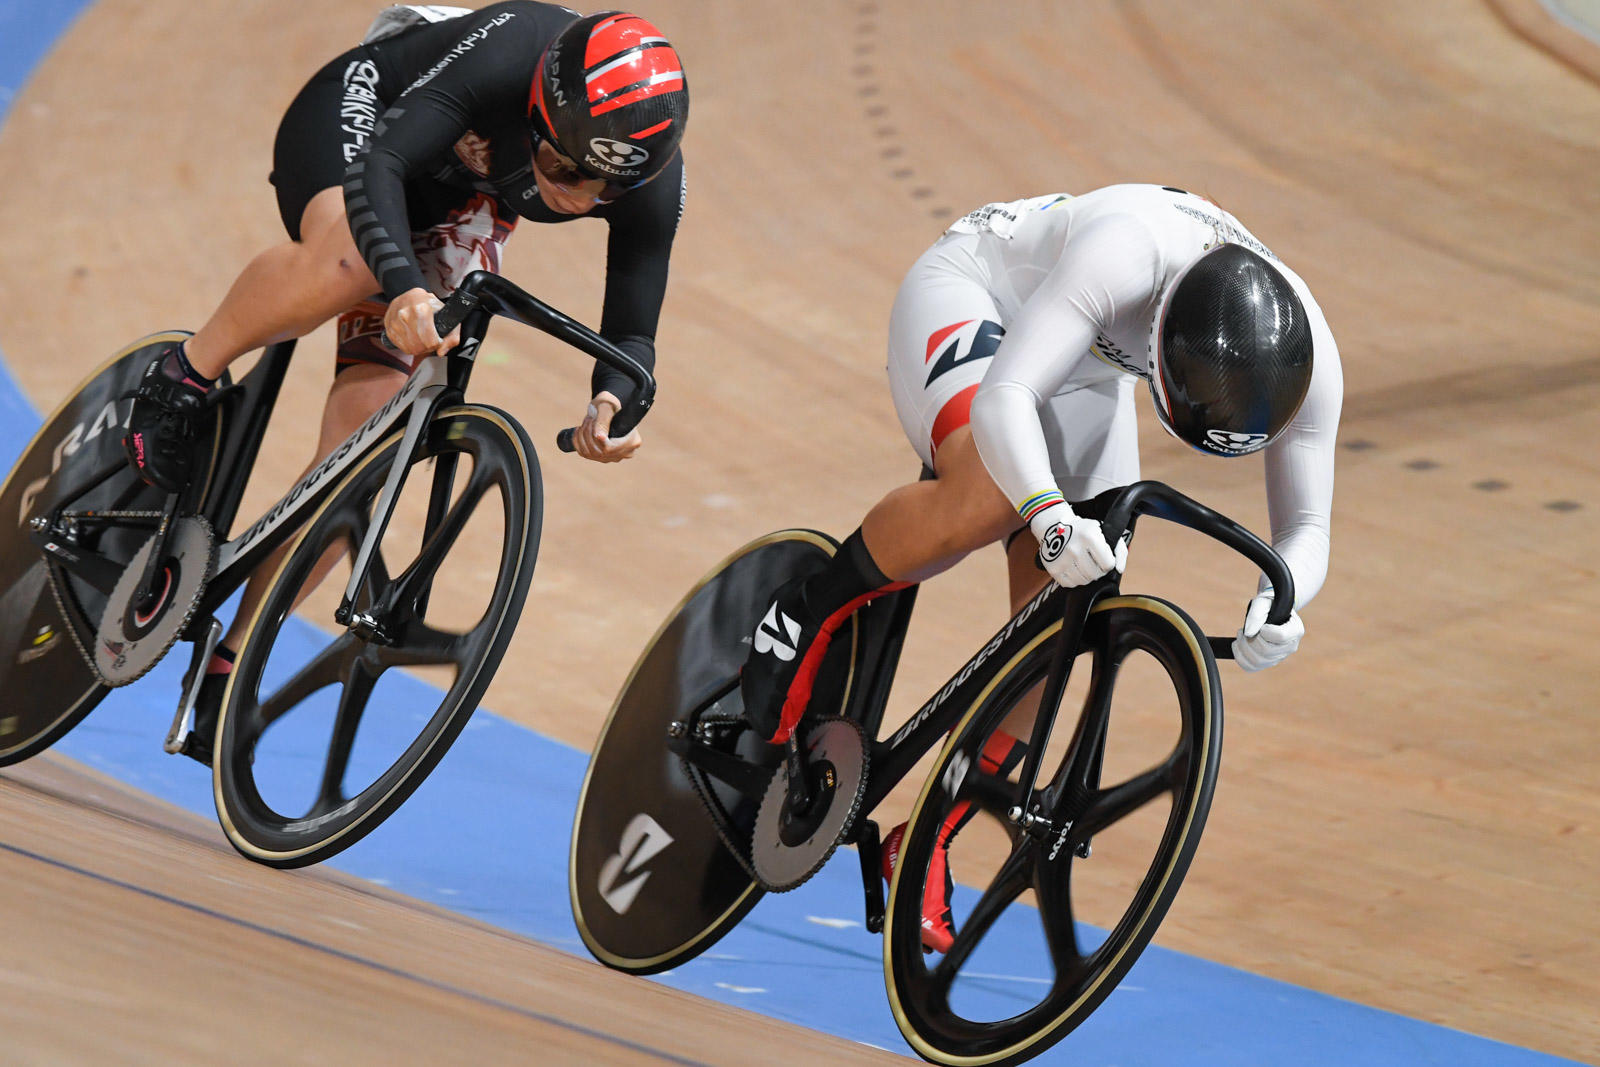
[
  {"x": 1108, "y": 854},
  {"x": 320, "y": 737},
  {"x": 659, "y": 869},
  {"x": 75, "y": 460}
]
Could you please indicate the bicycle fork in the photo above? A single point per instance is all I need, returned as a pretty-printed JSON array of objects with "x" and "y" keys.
[{"x": 422, "y": 411}]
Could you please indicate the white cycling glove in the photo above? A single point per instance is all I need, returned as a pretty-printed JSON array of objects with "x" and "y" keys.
[
  {"x": 1260, "y": 644},
  {"x": 1074, "y": 549}
]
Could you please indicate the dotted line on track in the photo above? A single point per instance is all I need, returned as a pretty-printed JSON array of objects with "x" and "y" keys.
[
  {"x": 1485, "y": 485},
  {"x": 891, "y": 150}
]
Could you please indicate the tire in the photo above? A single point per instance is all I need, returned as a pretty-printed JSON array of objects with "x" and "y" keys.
[
  {"x": 634, "y": 912},
  {"x": 920, "y": 994},
  {"x": 49, "y": 684},
  {"x": 249, "y": 778}
]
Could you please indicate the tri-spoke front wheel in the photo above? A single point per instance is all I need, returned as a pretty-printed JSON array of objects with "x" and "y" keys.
[
  {"x": 1077, "y": 873},
  {"x": 322, "y": 734}
]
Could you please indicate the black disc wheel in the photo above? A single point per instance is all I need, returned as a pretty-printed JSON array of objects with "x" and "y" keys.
[
  {"x": 1074, "y": 883},
  {"x": 48, "y": 614},
  {"x": 660, "y": 866},
  {"x": 325, "y": 732}
]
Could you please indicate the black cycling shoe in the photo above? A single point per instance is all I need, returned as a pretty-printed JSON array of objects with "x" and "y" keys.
[
  {"x": 166, "y": 419},
  {"x": 783, "y": 661},
  {"x": 207, "y": 709}
]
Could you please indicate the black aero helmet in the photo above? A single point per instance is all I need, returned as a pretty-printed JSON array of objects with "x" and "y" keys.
[
  {"x": 610, "y": 95},
  {"x": 1230, "y": 353}
]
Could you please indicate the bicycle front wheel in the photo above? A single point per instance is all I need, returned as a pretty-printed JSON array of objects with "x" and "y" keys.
[
  {"x": 301, "y": 769},
  {"x": 1076, "y": 888}
]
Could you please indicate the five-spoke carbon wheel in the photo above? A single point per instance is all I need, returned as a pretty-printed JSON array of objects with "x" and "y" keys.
[
  {"x": 322, "y": 735},
  {"x": 1075, "y": 883}
]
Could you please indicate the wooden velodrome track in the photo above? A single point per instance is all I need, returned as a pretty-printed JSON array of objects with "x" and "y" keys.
[{"x": 1409, "y": 814}]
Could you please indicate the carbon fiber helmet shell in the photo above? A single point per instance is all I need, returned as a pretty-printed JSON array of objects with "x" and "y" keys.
[
  {"x": 610, "y": 94},
  {"x": 1230, "y": 353}
]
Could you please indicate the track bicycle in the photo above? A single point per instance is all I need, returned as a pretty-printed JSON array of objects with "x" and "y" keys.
[
  {"x": 101, "y": 574},
  {"x": 686, "y": 818}
]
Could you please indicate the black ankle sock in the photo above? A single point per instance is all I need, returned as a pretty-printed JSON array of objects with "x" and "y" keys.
[
  {"x": 852, "y": 573},
  {"x": 177, "y": 367}
]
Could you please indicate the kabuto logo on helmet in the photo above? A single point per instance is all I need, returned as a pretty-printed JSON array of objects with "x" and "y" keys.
[
  {"x": 618, "y": 153},
  {"x": 1054, "y": 542},
  {"x": 1229, "y": 441},
  {"x": 607, "y": 82}
]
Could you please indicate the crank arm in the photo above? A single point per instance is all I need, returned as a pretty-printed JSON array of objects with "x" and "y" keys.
[{"x": 144, "y": 598}]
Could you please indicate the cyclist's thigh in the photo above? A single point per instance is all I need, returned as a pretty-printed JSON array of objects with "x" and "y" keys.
[
  {"x": 943, "y": 332},
  {"x": 327, "y": 125},
  {"x": 1093, "y": 436}
]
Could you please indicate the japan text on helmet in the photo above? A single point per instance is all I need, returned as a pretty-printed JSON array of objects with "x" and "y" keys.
[
  {"x": 610, "y": 95},
  {"x": 1230, "y": 353}
]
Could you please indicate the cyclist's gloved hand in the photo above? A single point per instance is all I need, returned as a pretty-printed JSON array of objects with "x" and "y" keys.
[
  {"x": 1260, "y": 644},
  {"x": 1074, "y": 549},
  {"x": 592, "y": 439},
  {"x": 408, "y": 323}
]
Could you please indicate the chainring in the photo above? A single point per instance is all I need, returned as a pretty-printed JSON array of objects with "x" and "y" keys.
[
  {"x": 129, "y": 643},
  {"x": 786, "y": 850}
]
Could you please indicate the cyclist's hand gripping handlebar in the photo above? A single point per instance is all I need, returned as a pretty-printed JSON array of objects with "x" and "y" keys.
[
  {"x": 1167, "y": 503},
  {"x": 499, "y": 296},
  {"x": 445, "y": 319},
  {"x": 622, "y": 424}
]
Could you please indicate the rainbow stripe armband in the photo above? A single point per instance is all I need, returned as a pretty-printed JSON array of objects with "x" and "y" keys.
[{"x": 1038, "y": 502}]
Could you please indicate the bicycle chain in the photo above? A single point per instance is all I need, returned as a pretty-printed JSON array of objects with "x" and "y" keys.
[
  {"x": 721, "y": 822},
  {"x": 60, "y": 595},
  {"x": 67, "y": 616},
  {"x": 126, "y": 515}
]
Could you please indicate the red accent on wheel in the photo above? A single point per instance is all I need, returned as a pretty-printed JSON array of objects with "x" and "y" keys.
[
  {"x": 956, "y": 413},
  {"x": 938, "y": 338}
]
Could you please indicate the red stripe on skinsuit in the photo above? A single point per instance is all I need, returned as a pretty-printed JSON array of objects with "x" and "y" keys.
[
  {"x": 956, "y": 413},
  {"x": 799, "y": 695},
  {"x": 938, "y": 338}
]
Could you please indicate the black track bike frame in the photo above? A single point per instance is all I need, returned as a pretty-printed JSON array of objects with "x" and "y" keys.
[
  {"x": 882, "y": 628},
  {"x": 436, "y": 381}
]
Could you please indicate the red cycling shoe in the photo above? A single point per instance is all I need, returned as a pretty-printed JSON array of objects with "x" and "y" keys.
[{"x": 1001, "y": 753}]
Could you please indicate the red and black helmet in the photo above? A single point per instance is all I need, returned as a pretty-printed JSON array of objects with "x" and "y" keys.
[{"x": 611, "y": 96}]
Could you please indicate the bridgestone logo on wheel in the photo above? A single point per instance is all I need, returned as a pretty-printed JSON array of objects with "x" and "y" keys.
[{"x": 1055, "y": 542}]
